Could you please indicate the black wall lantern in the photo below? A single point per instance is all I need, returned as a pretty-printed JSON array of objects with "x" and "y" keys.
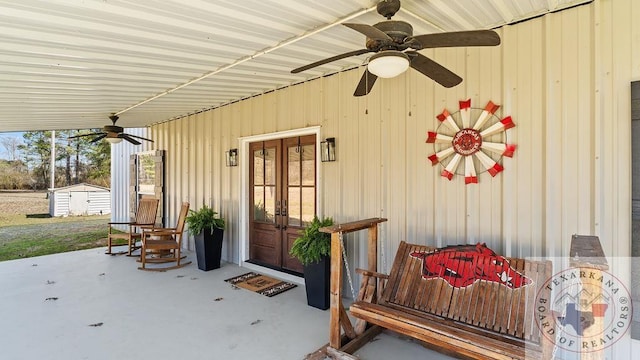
[
  {"x": 328, "y": 149},
  {"x": 232, "y": 157}
]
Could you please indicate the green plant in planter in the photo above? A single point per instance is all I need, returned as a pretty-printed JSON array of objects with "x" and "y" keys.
[
  {"x": 202, "y": 219},
  {"x": 312, "y": 244}
]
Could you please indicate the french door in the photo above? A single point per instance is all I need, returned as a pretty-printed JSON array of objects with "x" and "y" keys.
[{"x": 283, "y": 198}]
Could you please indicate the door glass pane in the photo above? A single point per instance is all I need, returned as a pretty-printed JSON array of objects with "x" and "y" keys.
[
  {"x": 308, "y": 204},
  {"x": 294, "y": 166},
  {"x": 258, "y": 168},
  {"x": 269, "y": 203},
  {"x": 308, "y": 165},
  {"x": 258, "y": 203},
  {"x": 264, "y": 203},
  {"x": 270, "y": 166},
  {"x": 294, "y": 207},
  {"x": 146, "y": 173}
]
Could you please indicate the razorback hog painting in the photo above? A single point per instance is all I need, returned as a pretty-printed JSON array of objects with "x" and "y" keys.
[{"x": 462, "y": 265}]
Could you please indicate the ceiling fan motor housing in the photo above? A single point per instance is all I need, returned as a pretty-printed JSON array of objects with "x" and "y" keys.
[
  {"x": 388, "y": 8},
  {"x": 112, "y": 129},
  {"x": 396, "y": 30}
]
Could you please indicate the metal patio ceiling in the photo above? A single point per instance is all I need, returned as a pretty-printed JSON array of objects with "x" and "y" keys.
[{"x": 68, "y": 64}]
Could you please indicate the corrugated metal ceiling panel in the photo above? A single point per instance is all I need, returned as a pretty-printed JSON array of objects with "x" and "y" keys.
[{"x": 67, "y": 64}]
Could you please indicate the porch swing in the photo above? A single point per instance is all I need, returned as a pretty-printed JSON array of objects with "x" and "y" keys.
[{"x": 461, "y": 320}]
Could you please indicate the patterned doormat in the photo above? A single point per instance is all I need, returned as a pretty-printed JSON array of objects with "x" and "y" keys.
[{"x": 261, "y": 284}]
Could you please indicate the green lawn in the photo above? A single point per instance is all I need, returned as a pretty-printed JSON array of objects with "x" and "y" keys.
[{"x": 22, "y": 236}]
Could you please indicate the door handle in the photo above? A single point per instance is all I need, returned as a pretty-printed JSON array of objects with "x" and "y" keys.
[
  {"x": 277, "y": 226},
  {"x": 284, "y": 209},
  {"x": 278, "y": 207}
]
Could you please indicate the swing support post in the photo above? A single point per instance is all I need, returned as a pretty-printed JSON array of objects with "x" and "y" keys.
[
  {"x": 335, "y": 291},
  {"x": 339, "y": 319}
]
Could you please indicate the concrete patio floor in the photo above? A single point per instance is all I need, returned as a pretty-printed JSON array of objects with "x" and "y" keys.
[{"x": 158, "y": 315}]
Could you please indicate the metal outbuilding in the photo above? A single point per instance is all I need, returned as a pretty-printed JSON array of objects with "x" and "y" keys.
[{"x": 79, "y": 199}]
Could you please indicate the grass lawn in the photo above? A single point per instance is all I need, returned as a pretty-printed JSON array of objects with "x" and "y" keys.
[
  {"x": 27, "y": 230},
  {"x": 23, "y": 236}
]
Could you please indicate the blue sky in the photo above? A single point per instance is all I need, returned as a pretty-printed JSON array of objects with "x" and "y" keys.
[{"x": 3, "y": 152}]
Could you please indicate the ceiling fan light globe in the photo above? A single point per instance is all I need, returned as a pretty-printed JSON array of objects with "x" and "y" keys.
[
  {"x": 114, "y": 140},
  {"x": 388, "y": 64}
]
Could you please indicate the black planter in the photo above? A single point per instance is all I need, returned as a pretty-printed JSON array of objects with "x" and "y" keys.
[
  {"x": 317, "y": 281},
  {"x": 209, "y": 249}
]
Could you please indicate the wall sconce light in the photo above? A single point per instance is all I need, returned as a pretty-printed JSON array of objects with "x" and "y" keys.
[
  {"x": 232, "y": 157},
  {"x": 328, "y": 149}
]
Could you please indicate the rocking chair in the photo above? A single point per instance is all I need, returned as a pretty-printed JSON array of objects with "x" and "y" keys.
[
  {"x": 145, "y": 219},
  {"x": 161, "y": 245}
]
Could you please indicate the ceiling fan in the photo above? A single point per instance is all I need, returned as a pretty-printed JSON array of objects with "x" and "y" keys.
[
  {"x": 395, "y": 49},
  {"x": 113, "y": 133}
]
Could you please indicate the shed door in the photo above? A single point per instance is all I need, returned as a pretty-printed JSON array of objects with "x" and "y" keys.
[
  {"x": 78, "y": 203},
  {"x": 283, "y": 198}
]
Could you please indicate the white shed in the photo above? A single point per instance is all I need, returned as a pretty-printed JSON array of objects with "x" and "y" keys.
[{"x": 80, "y": 199}]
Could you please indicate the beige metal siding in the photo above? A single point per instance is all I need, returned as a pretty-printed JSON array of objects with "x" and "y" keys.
[
  {"x": 564, "y": 78},
  {"x": 120, "y": 174}
]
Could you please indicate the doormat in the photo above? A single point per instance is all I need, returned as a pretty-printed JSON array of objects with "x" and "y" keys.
[{"x": 261, "y": 284}]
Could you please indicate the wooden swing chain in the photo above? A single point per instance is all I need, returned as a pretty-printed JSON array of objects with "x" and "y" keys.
[{"x": 346, "y": 266}]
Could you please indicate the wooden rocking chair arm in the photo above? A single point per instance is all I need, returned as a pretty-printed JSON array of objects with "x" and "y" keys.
[
  {"x": 159, "y": 229},
  {"x": 143, "y": 224},
  {"x": 156, "y": 232},
  {"x": 121, "y": 222},
  {"x": 372, "y": 273}
]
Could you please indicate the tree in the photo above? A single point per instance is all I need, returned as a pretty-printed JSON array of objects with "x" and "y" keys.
[
  {"x": 99, "y": 160},
  {"x": 10, "y": 144},
  {"x": 86, "y": 161},
  {"x": 37, "y": 154},
  {"x": 81, "y": 159},
  {"x": 64, "y": 152},
  {"x": 74, "y": 154},
  {"x": 14, "y": 175}
]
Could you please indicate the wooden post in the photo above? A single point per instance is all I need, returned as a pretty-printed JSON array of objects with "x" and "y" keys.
[
  {"x": 586, "y": 253},
  {"x": 373, "y": 248},
  {"x": 335, "y": 291},
  {"x": 338, "y": 316}
]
